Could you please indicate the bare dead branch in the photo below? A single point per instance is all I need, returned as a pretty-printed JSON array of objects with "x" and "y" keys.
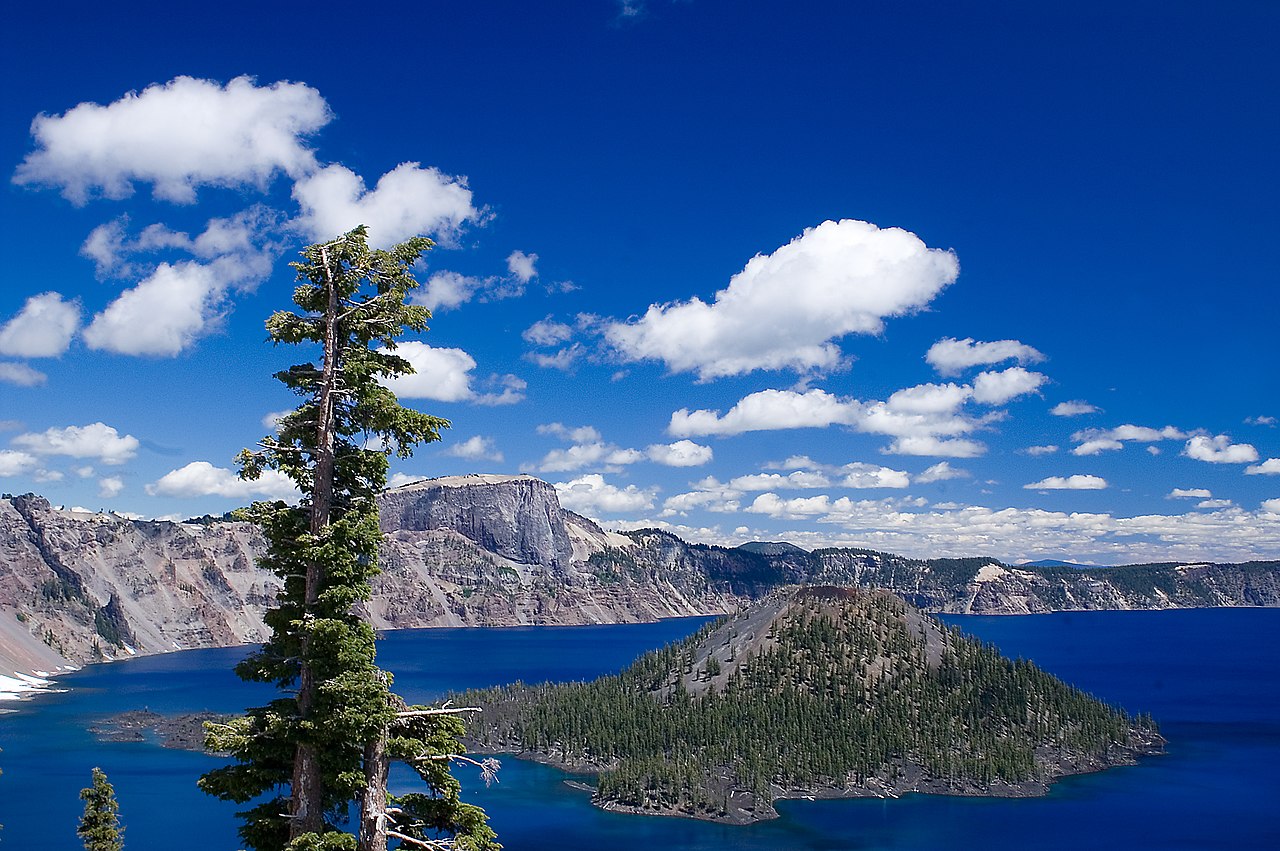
[
  {"x": 488, "y": 766},
  {"x": 446, "y": 708},
  {"x": 430, "y": 844},
  {"x": 421, "y": 713}
]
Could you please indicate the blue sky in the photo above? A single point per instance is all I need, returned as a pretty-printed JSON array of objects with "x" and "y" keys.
[{"x": 931, "y": 280}]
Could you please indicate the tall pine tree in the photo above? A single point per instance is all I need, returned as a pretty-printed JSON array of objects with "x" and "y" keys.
[
  {"x": 100, "y": 828},
  {"x": 330, "y": 740}
]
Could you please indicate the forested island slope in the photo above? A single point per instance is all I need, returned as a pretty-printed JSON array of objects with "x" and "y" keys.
[{"x": 812, "y": 692}]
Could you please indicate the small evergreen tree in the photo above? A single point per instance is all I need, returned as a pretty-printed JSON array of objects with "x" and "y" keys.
[
  {"x": 100, "y": 827},
  {"x": 331, "y": 739}
]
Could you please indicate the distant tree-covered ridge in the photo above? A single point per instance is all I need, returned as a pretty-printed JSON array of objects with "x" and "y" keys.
[{"x": 819, "y": 692}]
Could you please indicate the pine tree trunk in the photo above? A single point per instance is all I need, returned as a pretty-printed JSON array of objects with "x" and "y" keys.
[
  {"x": 307, "y": 792},
  {"x": 373, "y": 806},
  {"x": 322, "y": 482}
]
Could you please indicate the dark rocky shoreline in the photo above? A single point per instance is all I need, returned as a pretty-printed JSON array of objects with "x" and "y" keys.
[
  {"x": 181, "y": 732},
  {"x": 744, "y": 807}
]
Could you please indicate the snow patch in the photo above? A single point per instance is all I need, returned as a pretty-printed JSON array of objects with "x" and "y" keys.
[
  {"x": 17, "y": 686},
  {"x": 990, "y": 573}
]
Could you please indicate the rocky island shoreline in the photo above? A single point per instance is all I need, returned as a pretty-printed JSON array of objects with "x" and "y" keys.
[
  {"x": 180, "y": 732},
  {"x": 743, "y": 806}
]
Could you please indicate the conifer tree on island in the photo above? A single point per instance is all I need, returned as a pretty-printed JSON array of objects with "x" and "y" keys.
[
  {"x": 100, "y": 828},
  {"x": 330, "y": 740}
]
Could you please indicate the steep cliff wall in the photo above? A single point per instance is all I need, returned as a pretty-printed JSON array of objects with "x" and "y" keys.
[{"x": 516, "y": 517}]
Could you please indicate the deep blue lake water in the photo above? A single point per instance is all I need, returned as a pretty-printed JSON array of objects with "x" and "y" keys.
[{"x": 1211, "y": 678}]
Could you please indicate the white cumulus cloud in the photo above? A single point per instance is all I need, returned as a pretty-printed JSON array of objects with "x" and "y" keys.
[
  {"x": 547, "y": 332},
  {"x": 110, "y": 487},
  {"x": 177, "y": 303},
  {"x": 682, "y": 453},
  {"x": 250, "y": 236},
  {"x": 796, "y": 480},
  {"x": 785, "y": 309},
  {"x": 1219, "y": 450},
  {"x": 163, "y": 315},
  {"x": 803, "y": 506},
  {"x": 475, "y": 448},
  {"x": 996, "y": 388},
  {"x": 941, "y": 472},
  {"x": 21, "y": 375},
  {"x": 1189, "y": 493},
  {"x": 951, "y": 357},
  {"x": 581, "y": 455},
  {"x": 444, "y": 374},
  {"x": 446, "y": 290},
  {"x": 408, "y": 201},
  {"x": 573, "y": 434},
  {"x": 562, "y": 359},
  {"x": 96, "y": 440},
  {"x": 177, "y": 136},
  {"x": 937, "y": 447},
  {"x": 767, "y": 410},
  {"x": 1095, "y": 441},
  {"x": 200, "y": 478},
  {"x": 14, "y": 463},
  {"x": 1073, "y": 408},
  {"x": 522, "y": 267},
  {"x": 593, "y": 496},
  {"x": 42, "y": 329},
  {"x": 861, "y": 476},
  {"x": 930, "y": 398},
  {"x": 1071, "y": 483},
  {"x": 1269, "y": 467},
  {"x": 921, "y": 419},
  {"x": 1097, "y": 446}
]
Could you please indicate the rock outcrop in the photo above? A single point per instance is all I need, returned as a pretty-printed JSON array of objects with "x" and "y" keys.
[{"x": 516, "y": 517}]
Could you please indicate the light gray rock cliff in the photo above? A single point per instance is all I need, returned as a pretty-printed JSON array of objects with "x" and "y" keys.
[{"x": 516, "y": 517}]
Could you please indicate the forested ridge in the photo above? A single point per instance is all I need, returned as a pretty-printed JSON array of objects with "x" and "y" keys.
[{"x": 819, "y": 692}]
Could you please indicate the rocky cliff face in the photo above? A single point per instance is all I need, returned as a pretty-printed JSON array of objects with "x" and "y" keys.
[
  {"x": 461, "y": 551},
  {"x": 490, "y": 551},
  {"x": 516, "y": 517},
  {"x": 85, "y": 586}
]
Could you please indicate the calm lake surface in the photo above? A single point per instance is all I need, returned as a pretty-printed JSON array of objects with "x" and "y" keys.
[{"x": 1211, "y": 678}]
